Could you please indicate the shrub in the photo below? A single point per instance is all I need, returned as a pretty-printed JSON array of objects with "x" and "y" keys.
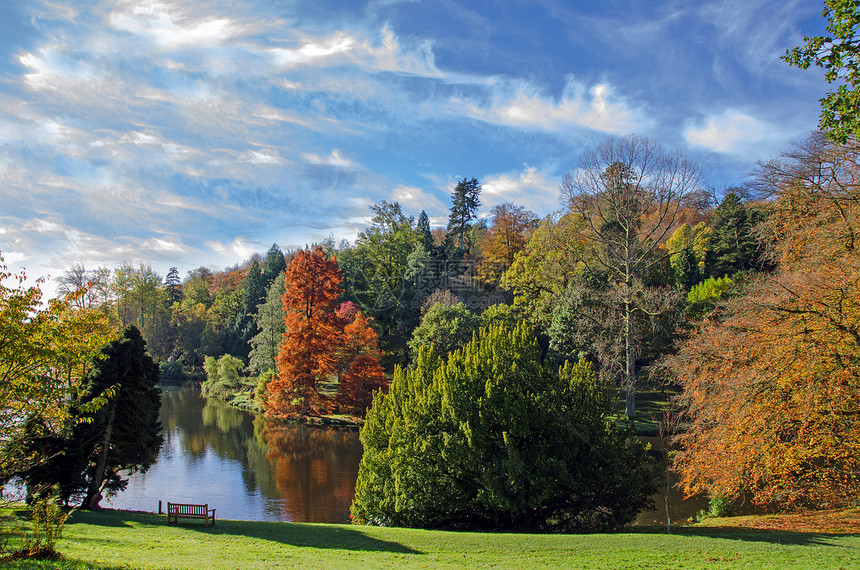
[{"x": 494, "y": 439}]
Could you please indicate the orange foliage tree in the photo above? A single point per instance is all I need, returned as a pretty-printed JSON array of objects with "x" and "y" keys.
[
  {"x": 313, "y": 328},
  {"x": 772, "y": 388},
  {"x": 510, "y": 228},
  {"x": 323, "y": 339},
  {"x": 361, "y": 372}
]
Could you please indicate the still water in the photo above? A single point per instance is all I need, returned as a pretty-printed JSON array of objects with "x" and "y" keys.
[
  {"x": 245, "y": 467},
  {"x": 250, "y": 469}
]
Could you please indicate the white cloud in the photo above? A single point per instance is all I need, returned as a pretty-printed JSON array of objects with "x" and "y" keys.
[
  {"x": 529, "y": 188},
  {"x": 14, "y": 257},
  {"x": 336, "y": 158},
  {"x": 338, "y": 44},
  {"x": 522, "y": 104},
  {"x": 414, "y": 199},
  {"x": 168, "y": 28},
  {"x": 163, "y": 246},
  {"x": 736, "y": 133},
  {"x": 255, "y": 157},
  {"x": 238, "y": 247}
]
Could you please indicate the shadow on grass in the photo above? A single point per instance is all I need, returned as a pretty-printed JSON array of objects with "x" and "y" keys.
[
  {"x": 785, "y": 537},
  {"x": 294, "y": 534}
]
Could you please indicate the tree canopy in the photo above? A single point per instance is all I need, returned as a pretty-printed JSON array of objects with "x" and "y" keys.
[{"x": 838, "y": 53}]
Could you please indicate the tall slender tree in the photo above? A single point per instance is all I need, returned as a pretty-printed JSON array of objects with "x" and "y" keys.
[
  {"x": 308, "y": 351},
  {"x": 464, "y": 209},
  {"x": 629, "y": 192}
]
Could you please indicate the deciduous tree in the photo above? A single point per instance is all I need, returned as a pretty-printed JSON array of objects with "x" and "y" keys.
[
  {"x": 308, "y": 350},
  {"x": 509, "y": 230},
  {"x": 772, "y": 390},
  {"x": 630, "y": 194},
  {"x": 838, "y": 53},
  {"x": 46, "y": 349}
]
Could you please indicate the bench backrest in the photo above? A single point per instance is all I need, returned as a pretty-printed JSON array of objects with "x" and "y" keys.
[{"x": 187, "y": 509}]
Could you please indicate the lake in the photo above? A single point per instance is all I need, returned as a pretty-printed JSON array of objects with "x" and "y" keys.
[
  {"x": 245, "y": 467},
  {"x": 252, "y": 469}
]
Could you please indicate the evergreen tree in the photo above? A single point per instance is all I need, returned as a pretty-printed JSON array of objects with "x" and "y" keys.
[
  {"x": 255, "y": 289},
  {"x": 270, "y": 322},
  {"x": 275, "y": 265},
  {"x": 114, "y": 427},
  {"x": 464, "y": 209},
  {"x": 425, "y": 235},
  {"x": 493, "y": 439},
  {"x": 733, "y": 242},
  {"x": 125, "y": 433},
  {"x": 173, "y": 285}
]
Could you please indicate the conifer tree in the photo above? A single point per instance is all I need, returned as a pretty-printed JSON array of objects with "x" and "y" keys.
[
  {"x": 464, "y": 209},
  {"x": 493, "y": 439}
]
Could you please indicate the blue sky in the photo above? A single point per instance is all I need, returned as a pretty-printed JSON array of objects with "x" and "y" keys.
[{"x": 196, "y": 132}]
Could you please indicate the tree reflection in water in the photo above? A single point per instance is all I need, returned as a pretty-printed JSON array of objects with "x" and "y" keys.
[
  {"x": 246, "y": 467},
  {"x": 314, "y": 468}
]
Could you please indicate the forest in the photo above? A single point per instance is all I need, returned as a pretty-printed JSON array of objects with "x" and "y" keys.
[
  {"x": 742, "y": 302},
  {"x": 492, "y": 358}
]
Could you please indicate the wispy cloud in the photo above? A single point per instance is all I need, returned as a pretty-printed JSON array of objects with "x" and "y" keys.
[
  {"x": 521, "y": 104},
  {"x": 737, "y": 133}
]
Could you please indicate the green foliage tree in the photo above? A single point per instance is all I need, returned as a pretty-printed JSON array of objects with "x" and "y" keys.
[
  {"x": 223, "y": 377},
  {"x": 543, "y": 270},
  {"x": 141, "y": 300},
  {"x": 703, "y": 298},
  {"x": 493, "y": 439},
  {"x": 173, "y": 285},
  {"x": 688, "y": 248},
  {"x": 270, "y": 322},
  {"x": 444, "y": 328},
  {"x": 113, "y": 426},
  {"x": 275, "y": 264},
  {"x": 838, "y": 53},
  {"x": 374, "y": 273},
  {"x": 425, "y": 235},
  {"x": 46, "y": 349},
  {"x": 125, "y": 433},
  {"x": 734, "y": 246}
]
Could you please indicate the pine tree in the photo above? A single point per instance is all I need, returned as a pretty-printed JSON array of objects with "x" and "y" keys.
[
  {"x": 425, "y": 235},
  {"x": 464, "y": 209},
  {"x": 173, "y": 284}
]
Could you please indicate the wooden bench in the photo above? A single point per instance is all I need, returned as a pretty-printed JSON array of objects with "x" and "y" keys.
[{"x": 176, "y": 511}]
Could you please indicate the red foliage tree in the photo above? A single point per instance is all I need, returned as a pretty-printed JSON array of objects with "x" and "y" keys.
[
  {"x": 313, "y": 330},
  {"x": 361, "y": 371}
]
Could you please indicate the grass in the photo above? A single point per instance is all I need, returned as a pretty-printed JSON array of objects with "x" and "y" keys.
[
  {"x": 650, "y": 409},
  {"x": 116, "y": 539}
]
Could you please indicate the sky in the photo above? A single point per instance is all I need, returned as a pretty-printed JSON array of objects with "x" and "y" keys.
[{"x": 194, "y": 133}]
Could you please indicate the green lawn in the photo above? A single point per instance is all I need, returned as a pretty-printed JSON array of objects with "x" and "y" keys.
[{"x": 113, "y": 539}]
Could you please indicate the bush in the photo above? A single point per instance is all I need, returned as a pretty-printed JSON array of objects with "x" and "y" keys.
[
  {"x": 493, "y": 439},
  {"x": 47, "y": 519},
  {"x": 223, "y": 377}
]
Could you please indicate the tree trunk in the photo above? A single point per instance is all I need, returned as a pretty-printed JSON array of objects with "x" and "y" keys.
[
  {"x": 91, "y": 501},
  {"x": 630, "y": 372}
]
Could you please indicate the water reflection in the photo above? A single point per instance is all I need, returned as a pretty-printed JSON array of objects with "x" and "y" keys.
[{"x": 247, "y": 468}]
